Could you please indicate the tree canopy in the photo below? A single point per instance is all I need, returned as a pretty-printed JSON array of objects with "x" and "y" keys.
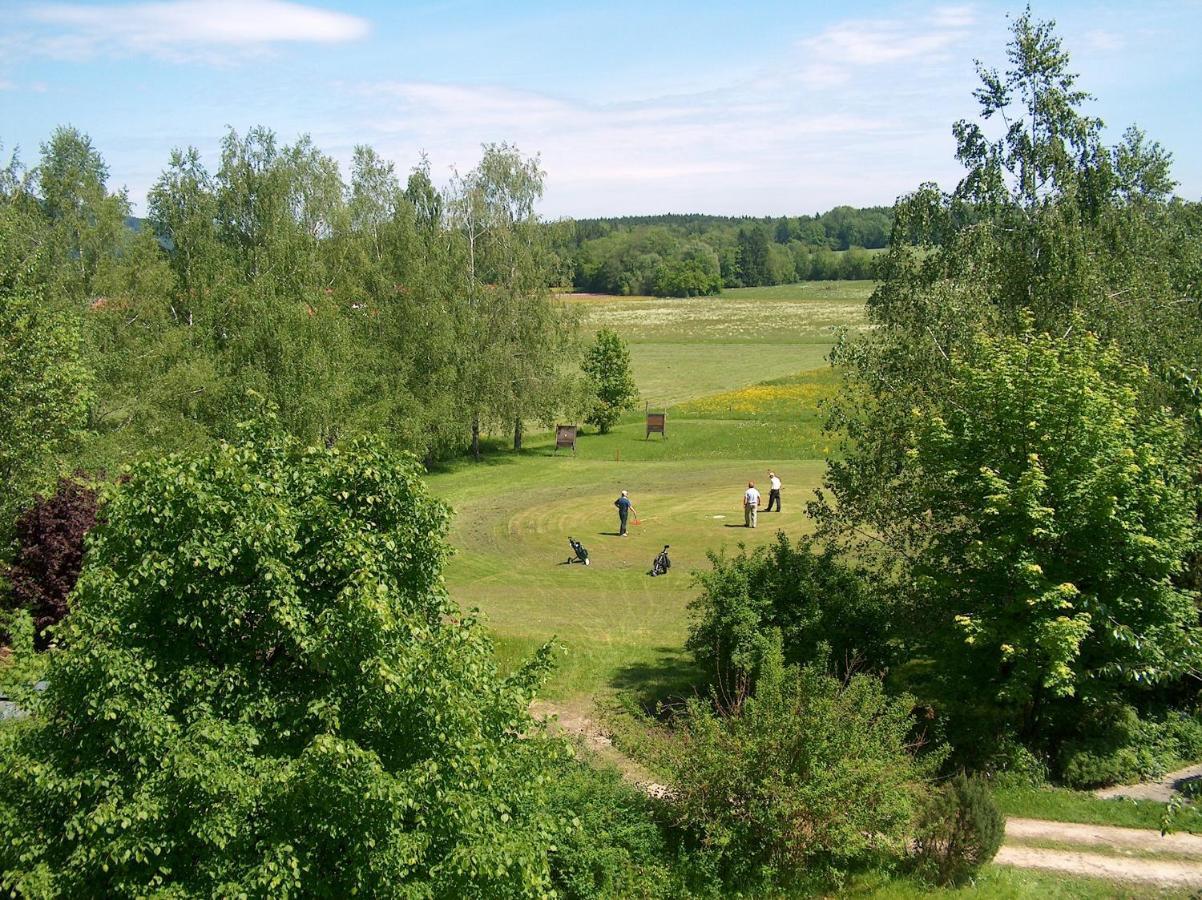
[{"x": 263, "y": 688}]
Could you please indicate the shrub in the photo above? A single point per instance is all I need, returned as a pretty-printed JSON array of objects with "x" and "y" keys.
[
  {"x": 265, "y": 690},
  {"x": 821, "y": 607},
  {"x": 810, "y": 774},
  {"x": 961, "y": 830},
  {"x": 50, "y": 549},
  {"x": 1012, "y": 764},
  {"x": 1122, "y": 748},
  {"x": 617, "y": 849}
]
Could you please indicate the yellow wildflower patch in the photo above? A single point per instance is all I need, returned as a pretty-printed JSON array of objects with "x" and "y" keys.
[{"x": 759, "y": 399}]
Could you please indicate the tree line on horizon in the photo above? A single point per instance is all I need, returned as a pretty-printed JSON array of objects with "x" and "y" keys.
[{"x": 677, "y": 255}]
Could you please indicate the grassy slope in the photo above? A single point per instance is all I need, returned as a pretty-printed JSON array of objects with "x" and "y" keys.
[{"x": 514, "y": 513}]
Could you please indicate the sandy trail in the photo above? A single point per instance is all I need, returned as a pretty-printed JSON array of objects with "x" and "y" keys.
[
  {"x": 1162, "y": 872},
  {"x": 1161, "y": 790}
]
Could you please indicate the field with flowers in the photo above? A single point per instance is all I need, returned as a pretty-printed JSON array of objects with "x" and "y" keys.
[{"x": 742, "y": 378}]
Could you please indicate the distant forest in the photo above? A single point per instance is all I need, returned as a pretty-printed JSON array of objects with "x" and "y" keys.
[{"x": 683, "y": 255}]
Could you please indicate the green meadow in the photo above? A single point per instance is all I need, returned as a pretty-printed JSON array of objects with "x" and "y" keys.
[{"x": 742, "y": 377}]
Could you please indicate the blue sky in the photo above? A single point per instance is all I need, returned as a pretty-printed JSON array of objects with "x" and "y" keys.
[{"x": 635, "y": 107}]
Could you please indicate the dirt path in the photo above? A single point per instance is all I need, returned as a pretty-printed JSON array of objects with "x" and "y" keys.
[
  {"x": 572, "y": 720},
  {"x": 1130, "y": 839},
  {"x": 1161, "y": 872},
  {"x": 1131, "y": 855},
  {"x": 1161, "y": 791}
]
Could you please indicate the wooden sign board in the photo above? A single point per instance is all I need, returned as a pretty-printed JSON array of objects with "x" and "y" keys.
[
  {"x": 657, "y": 423},
  {"x": 565, "y": 436}
]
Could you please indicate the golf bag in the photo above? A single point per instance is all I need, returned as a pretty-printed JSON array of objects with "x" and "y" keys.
[
  {"x": 578, "y": 549},
  {"x": 661, "y": 564}
]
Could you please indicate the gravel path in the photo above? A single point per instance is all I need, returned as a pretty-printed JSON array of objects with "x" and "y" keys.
[
  {"x": 1161, "y": 791},
  {"x": 1130, "y": 839}
]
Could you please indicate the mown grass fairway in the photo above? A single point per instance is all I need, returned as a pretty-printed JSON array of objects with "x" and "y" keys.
[
  {"x": 683, "y": 348},
  {"x": 744, "y": 374}
]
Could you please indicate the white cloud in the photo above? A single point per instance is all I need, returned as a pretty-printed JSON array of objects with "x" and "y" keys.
[
  {"x": 188, "y": 29},
  {"x": 673, "y": 153},
  {"x": 7, "y": 85},
  {"x": 833, "y": 55}
]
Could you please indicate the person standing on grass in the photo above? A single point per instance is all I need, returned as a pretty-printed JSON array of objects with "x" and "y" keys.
[
  {"x": 624, "y": 511},
  {"x": 751, "y": 505},
  {"x": 773, "y": 491}
]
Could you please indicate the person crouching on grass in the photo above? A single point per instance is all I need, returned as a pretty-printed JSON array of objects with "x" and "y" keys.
[
  {"x": 624, "y": 510},
  {"x": 751, "y": 505}
]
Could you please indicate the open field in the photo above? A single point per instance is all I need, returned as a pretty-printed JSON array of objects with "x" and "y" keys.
[
  {"x": 712, "y": 357},
  {"x": 683, "y": 348}
]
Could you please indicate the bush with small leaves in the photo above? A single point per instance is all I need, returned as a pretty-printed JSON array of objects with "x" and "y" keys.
[
  {"x": 812, "y": 774},
  {"x": 822, "y": 606},
  {"x": 961, "y": 831}
]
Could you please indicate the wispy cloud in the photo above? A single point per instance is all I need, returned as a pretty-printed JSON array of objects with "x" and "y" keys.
[
  {"x": 846, "y": 116},
  {"x": 613, "y": 157},
  {"x": 837, "y": 54},
  {"x": 183, "y": 30}
]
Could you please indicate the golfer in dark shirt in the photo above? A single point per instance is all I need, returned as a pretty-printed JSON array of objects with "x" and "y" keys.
[{"x": 624, "y": 508}]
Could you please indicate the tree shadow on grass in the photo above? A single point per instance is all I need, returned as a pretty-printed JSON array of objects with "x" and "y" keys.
[{"x": 666, "y": 681}]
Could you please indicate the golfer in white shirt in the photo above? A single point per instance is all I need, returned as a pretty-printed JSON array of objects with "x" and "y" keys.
[
  {"x": 751, "y": 505},
  {"x": 773, "y": 491}
]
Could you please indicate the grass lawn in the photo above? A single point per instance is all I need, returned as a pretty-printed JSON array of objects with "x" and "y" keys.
[
  {"x": 683, "y": 348},
  {"x": 743, "y": 374},
  {"x": 1063, "y": 805},
  {"x": 1005, "y": 883}
]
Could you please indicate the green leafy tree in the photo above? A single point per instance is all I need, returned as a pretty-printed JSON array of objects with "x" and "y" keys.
[
  {"x": 45, "y": 392},
  {"x": 512, "y": 333},
  {"x": 1029, "y": 615},
  {"x": 612, "y": 389},
  {"x": 264, "y": 689},
  {"x": 1039, "y": 514},
  {"x": 1047, "y": 221},
  {"x": 87, "y": 223},
  {"x": 821, "y": 607}
]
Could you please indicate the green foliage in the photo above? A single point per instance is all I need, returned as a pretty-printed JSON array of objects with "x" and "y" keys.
[
  {"x": 1122, "y": 748},
  {"x": 690, "y": 255},
  {"x": 1009, "y": 462},
  {"x": 809, "y": 775},
  {"x": 819, "y": 606},
  {"x": 1038, "y": 514},
  {"x": 265, "y": 690},
  {"x": 617, "y": 848},
  {"x": 86, "y": 223},
  {"x": 960, "y": 831},
  {"x": 45, "y": 390},
  {"x": 611, "y": 386}
]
